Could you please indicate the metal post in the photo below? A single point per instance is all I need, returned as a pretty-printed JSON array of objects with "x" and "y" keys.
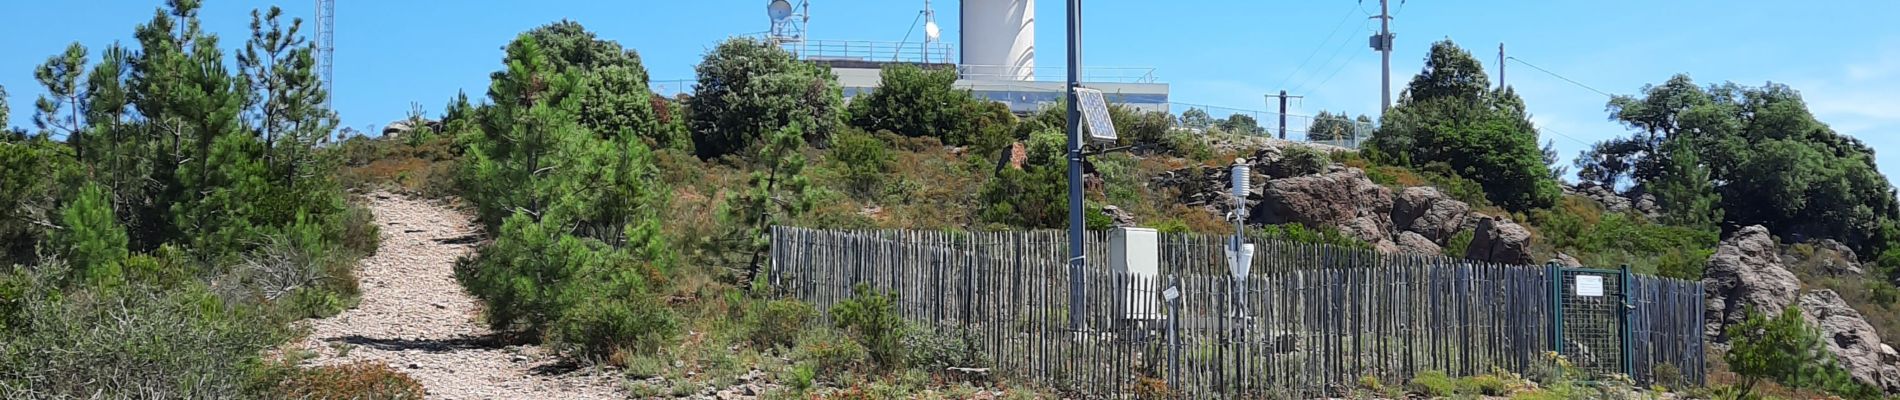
[
  {"x": 1556, "y": 307},
  {"x": 1500, "y": 65},
  {"x": 1385, "y": 57},
  {"x": 1283, "y": 116},
  {"x": 1623, "y": 318},
  {"x": 1077, "y": 228}
]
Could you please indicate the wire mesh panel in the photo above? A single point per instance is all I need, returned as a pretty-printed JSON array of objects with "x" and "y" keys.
[{"x": 1591, "y": 327}]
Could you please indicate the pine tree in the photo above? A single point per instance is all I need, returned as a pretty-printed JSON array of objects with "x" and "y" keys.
[
  {"x": 776, "y": 194},
  {"x": 1684, "y": 190},
  {"x": 91, "y": 239},
  {"x": 286, "y": 97},
  {"x": 58, "y": 110}
]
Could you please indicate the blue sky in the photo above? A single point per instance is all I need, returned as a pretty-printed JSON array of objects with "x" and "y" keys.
[{"x": 1841, "y": 55}]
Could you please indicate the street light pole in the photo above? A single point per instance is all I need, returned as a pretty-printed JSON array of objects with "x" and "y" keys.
[{"x": 1077, "y": 229}]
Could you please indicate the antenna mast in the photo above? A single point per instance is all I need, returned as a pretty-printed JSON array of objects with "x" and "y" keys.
[{"x": 326, "y": 48}]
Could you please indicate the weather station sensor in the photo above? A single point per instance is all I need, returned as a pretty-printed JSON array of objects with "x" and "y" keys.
[{"x": 1094, "y": 107}]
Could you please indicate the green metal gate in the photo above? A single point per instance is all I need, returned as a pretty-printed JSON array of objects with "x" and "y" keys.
[{"x": 1591, "y": 324}]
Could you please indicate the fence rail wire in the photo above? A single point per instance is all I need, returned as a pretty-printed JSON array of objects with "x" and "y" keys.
[{"x": 1310, "y": 320}]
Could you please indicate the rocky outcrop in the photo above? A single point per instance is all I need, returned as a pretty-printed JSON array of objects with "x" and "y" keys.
[
  {"x": 404, "y": 127},
  {"x": 1852, "y": 340},
  {"x": 1429, "y": 213},
  {"x": 1745, "y": 273},
  {"x": 1828, "y": 256},
  {"x": 1642, "y": 203},
  {"x": 1565, "y": 260},
  {"x": 1345, "y": 199},
  {"x": 1412, "y": 242},
  {"x": 1500, "y": 241},
  {"x": 1119, "y": 216}
]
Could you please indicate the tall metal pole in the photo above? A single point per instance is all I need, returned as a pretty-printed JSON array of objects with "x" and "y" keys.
[
  {"x": 1385, "y": 56},
  {"x": 1283, "y": 115},
  {"x": 1077, "y": 228}
]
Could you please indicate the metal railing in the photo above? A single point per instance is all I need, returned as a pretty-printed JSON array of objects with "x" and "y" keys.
[
  {"x": 872, "y": 51},
  {"x": 1057, "y": 74}
]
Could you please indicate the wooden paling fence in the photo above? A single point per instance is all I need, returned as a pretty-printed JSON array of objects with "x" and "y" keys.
[{"x": 1311, "y": 320}]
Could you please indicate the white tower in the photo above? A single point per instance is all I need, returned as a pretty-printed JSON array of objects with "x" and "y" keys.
[{"x": 999, "y": 39}]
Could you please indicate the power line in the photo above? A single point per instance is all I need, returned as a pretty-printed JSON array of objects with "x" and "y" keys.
[
  {"x": 1316, "y": 49},
  {"x": 1342, "y": 67},
  {"x": 1572, "y": 81},
  {"x": 1329, "y": 58}
]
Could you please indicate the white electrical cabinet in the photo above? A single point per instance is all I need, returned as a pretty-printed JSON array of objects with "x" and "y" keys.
[{"x": 1137, "y": 252}]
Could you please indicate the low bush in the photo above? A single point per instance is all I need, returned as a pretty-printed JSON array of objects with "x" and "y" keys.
[
  {"x": 363, "y": 380},
  {"x": 1301, "y": 234},
  {"x": 1432, "y": 384},
  {"x": 1484, "y": 385},
  {"x": 777, "y": 323},
  {"x": 864, "y": 160},
  {"x": 829, "y": 353},
  {"x": 936, "y": 350},
  {"x": 871, "y": 319}
]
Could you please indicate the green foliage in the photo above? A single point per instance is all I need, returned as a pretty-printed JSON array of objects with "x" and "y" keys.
[
  {"x": 1331, "y": 127},
  {"x": 362, "y": 380},
  {"x": 1448, "y": 114},
  {"x": 777, "y": 323},
  {"x": 1432, "y": 384},
  {"x": 135, "y": 341},
  {"x": 914, "y": 101},
  {"x": 1459, "y": 244},
  {"x": 1686, "y": 193},
  {"x": 1302, "y": 234},
  {"x": 829, "y": 352},
  {"x": 865, "y": 160},
  {"x": 931, "y": 349},
  {"x": 749, "y": 90},
  {"x": 1581, "y": 228},
  {"x": 611, "y": 94},
  {"x": 1187, "y": 143},
  {"x": 1771, "y": 162},
  {"x": 871, "y": 319},
  {"x": 1783, "y": 349},
  {"x": 1240, "y": 124},
  {"x": 776, "y": 192},
  {"x": 1303, "y": 160},
  {"x": 92, "y": 241},
  {"x": 1483, "y": 385}
]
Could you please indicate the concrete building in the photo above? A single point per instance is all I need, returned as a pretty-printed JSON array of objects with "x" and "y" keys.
[{"x": 996, "y": 60}]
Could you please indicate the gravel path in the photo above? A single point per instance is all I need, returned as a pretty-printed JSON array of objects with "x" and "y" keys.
[{"x": 416, "y": 318}]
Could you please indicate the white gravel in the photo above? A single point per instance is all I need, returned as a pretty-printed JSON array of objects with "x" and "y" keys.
[{"x": 417, "y": 319}]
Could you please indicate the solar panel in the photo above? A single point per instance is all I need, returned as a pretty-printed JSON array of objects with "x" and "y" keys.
[{"x": 1095, "y": 116}]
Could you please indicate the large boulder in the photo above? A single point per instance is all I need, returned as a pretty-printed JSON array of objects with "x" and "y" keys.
[
  {"x": 1343, "y": 199},
  {"x": 1565, "y": 260},
  {"x": 1500, "y": 241},
  {"x": 1746, "y": 273},
  {"x": 1430, "y": 213},
  {"x": 1852, "y": 340},
  {"x": 1412, "y": 242}
]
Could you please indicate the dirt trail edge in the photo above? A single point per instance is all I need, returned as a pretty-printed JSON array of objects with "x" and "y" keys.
[{"x": 416, "y": 318}]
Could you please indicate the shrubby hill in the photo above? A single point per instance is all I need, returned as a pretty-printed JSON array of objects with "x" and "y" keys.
[{"x": 627, "y": 230}]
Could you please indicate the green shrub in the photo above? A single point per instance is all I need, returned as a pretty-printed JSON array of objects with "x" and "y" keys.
[
  {"x": 92, "y": 240},
  {"x": 1459, "y": 244},
  {"x": 872, "y": 320},
  {"x": 829, "y": 353},
  {"x": 1786, "y": 350},
  {"x": 777, "y": 323},
  {"x": 921, "y": 102},
  {"x": 1432, "y": 384},
  {"x": 1303, "y": 234},
  {"x": 936, "y": 350},
  {"x": 591, "y": 298},
  {"x": 1187, "y": 144},
  {"x": 865, "y": 161},
  {"x": 1302, "y": 160},
  {"x": 1485, "y": 385}
]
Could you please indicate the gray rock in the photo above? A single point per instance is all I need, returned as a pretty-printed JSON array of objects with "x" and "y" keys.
[
  {"x": 1852, "y": 340},
  {"x": 1345, "y": 200},
  {"x": 1120, "y": 216},
  {"x": 1412, "y": 242},
  {"x": 1745, "y": 273},
  {"x": 1430, "y": 213},
  {"x": 1565, "y": 260},
  {"x": 1500, "y": 241}
]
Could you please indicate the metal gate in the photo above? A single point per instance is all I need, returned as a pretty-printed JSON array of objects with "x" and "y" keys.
[{"x": 1591, "y": 324}]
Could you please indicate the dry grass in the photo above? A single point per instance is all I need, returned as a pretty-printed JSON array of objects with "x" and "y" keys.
[{"x": 363, "y": 380}]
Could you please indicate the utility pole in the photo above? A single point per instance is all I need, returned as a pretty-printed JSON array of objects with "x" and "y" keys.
[
  {"x": 1076, "y": 228},
  {"x": 1383, "y": 43},
  {"x": 1500, "y": 65},
  {"x": 1283, "y": 98}
]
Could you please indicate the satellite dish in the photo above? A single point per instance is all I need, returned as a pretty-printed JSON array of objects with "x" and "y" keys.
[
  {"x": 779, "y": 10},
  {"x": 932, "y": 32}
]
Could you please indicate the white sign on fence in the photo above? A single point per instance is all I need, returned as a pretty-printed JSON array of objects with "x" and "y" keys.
[{"x": 1589, "y": 285}]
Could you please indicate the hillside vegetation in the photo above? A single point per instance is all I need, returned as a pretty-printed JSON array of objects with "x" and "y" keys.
[{"x": 167, "y": 218}]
